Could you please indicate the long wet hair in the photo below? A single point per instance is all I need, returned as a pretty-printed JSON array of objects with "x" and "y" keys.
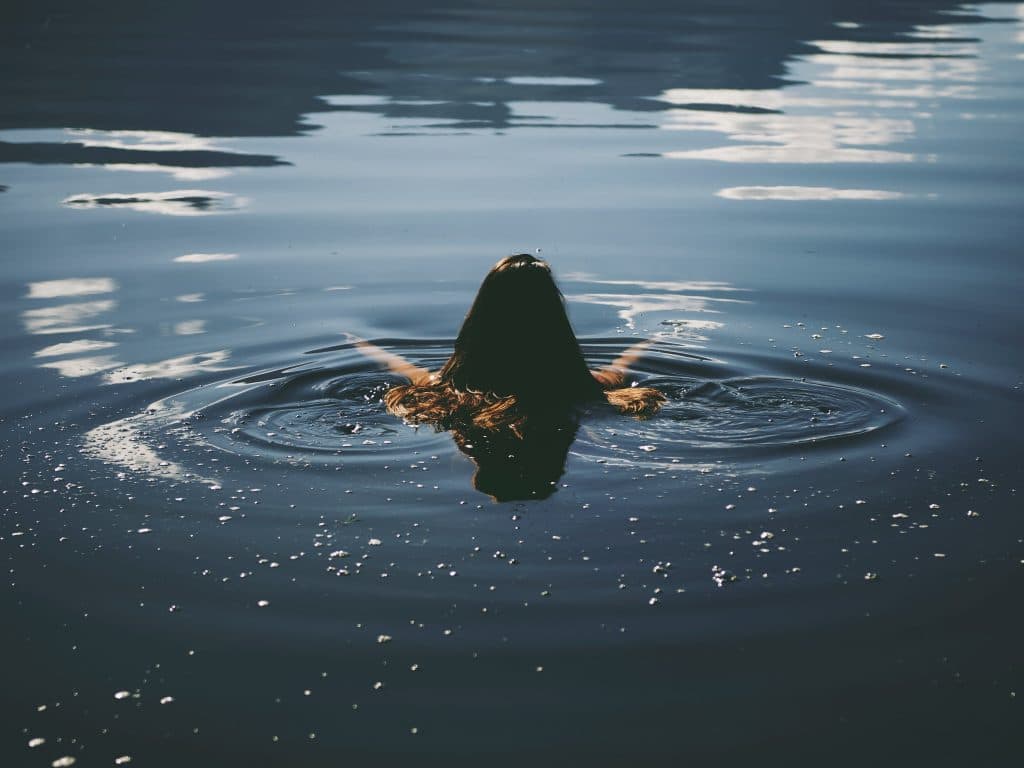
[{"x": 516, "y": 355}]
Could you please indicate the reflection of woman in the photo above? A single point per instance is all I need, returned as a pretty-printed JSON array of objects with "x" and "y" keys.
[{"x": 517, "y": 374}]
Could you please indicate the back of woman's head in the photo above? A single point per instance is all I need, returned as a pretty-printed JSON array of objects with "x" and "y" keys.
[{"x": 517, "y": 340}]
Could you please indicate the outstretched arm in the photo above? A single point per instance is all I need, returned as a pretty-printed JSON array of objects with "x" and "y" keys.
[
  {"x": 614, "y": 375},
  {"x": 395, "y": 363}
]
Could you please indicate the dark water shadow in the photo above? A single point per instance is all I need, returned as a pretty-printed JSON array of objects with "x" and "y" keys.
[
  {"x": 43, "y": 153},
  {"x": 519, "y": 467}
]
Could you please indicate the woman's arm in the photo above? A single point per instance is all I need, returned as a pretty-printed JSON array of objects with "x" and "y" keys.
[
  {"x": 395, "y": 363},
  {"x": 614, "y": 375}
]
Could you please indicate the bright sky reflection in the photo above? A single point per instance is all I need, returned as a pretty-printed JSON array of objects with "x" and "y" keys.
[
  {"x": 172, "y": 368},
  {"x": 66, "y": 318},
  {"x": 180, "y": 173},
  {"x": 72, "y": 286},
  {"x": 806, "y": 193},
  {"x": 74, "y": 347},
  {"x": 155, "y": 141},
  {"x": 202, "y": 258},
  {"x": 179, "y": 202},
  {"x": 660, "y": 297},
  {"x": 861, "y": 100},
  {"x": 76, "y": 367}
]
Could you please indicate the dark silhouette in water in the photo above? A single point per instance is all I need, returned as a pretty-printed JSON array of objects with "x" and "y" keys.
[
  {"x": 512, "y": 389},
  {"x": 513, "y": 467}
]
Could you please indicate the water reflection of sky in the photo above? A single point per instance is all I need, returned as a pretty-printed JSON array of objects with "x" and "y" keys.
[
  {"x": 74, "y": 358},
  {"x": 852, "y": 99},
  {"x": 685, "y": 304},
  {"x": 850, "y": 103},
  {"x": 861, "y": 102},
  {"x": 178, "y": 202}
]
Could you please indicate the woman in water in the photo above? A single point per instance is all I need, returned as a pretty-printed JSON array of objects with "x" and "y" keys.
[{"x": 516, "y": 363}]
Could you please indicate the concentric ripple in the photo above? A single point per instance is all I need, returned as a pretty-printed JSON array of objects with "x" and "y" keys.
[
  {"x": 324, "y": 413},
  {"x": 767, "y": 412},
  {"x": 741, "y": 420},
  {"x": 315, "y": 413}
]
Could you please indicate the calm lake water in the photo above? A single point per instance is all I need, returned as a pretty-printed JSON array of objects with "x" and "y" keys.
[{"x": 220, "y": 550}]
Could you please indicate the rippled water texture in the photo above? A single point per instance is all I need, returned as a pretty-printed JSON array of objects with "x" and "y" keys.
[{"x": 220, "y": 549}]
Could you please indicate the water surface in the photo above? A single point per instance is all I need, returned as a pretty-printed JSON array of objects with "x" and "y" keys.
[{"x": 222, "y": 550}]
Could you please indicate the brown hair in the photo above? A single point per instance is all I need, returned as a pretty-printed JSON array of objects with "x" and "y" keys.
[{"x": 515, "y": 355}]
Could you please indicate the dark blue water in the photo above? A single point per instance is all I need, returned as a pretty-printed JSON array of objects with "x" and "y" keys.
[{"x": 220, "y": 549}]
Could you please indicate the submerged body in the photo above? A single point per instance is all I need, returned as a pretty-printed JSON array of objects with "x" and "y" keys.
[
  {"x": 516, "y": 361},
  {"x": 512, "y": 390}
]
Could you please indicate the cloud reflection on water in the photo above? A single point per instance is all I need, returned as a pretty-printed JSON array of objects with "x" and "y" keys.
[
  {"x": 159, "y": 143},
  {"x": 181, "y": 173},
  {"x": 662, "y": 297},
  {"x": 66, "y": 318},
  {"x": 67, "y": 358},
  {"x": 72, "y": 286},
  {"x": 179, "y": 202},
  {"x": 77, "y": 367},
  {"x": 74, "y": 347},
  {"x": 172, "y": 368},
  {"x": 806, "y": 193},
  {"x": 202, "y": 258},
  {"x": 189, "y": 328},
  {"x": 792, "y": 138},
  {"x": 551, "y": 80},
  {"x": 156, "y": 141},
  {"x": 880, "y": 85}
]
